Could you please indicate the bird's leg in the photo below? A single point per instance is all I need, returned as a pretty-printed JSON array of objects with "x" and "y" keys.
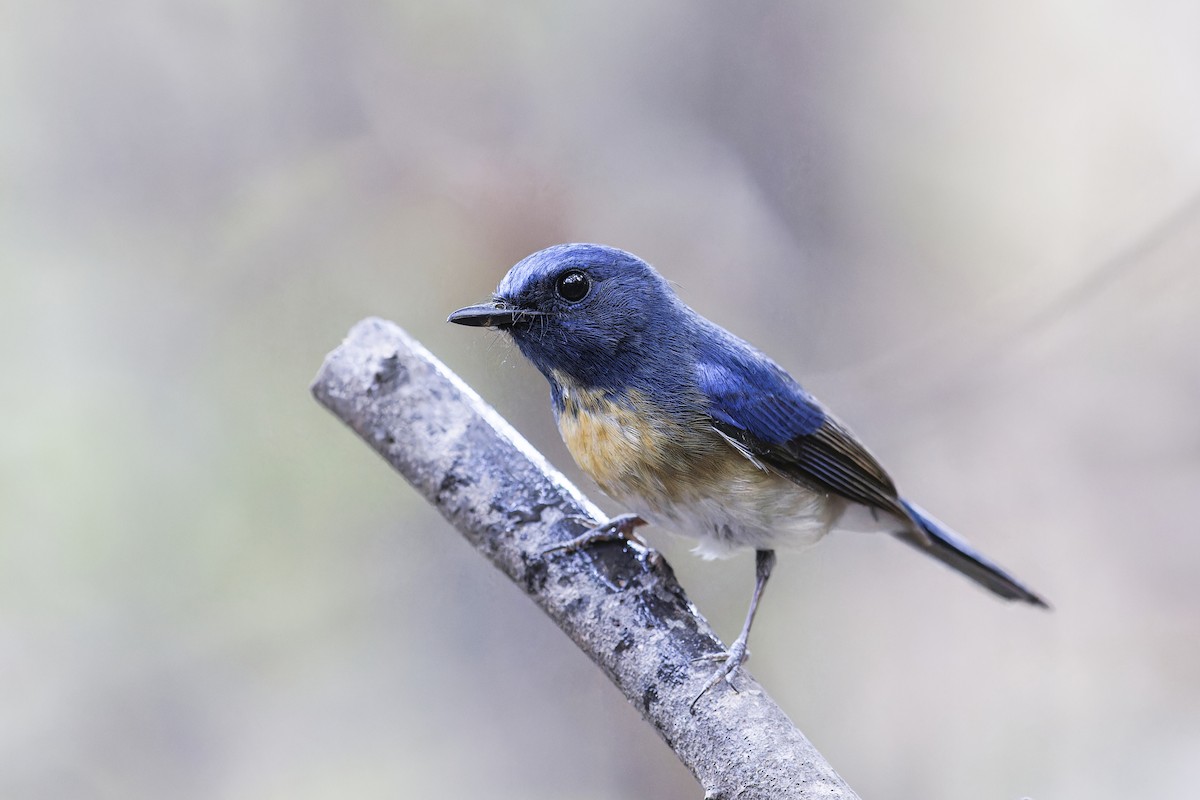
[
  {"x": 764, "y": 561},
  {"x": 619, "y": 528}
]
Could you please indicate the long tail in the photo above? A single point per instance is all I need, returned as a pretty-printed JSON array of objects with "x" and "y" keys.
[{"x": 949, "y": 548}]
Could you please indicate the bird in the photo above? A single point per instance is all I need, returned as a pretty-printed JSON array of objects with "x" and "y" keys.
[{"x": 697, "y": 431}]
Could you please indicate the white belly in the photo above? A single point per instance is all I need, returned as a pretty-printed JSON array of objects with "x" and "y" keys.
[{"x": 762, "y": 512}]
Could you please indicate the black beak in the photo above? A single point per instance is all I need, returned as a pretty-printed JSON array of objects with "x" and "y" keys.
[{"x": 487, "y": 315}]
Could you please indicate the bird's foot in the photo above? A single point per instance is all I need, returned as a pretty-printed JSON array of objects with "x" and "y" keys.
[
  {"x": 618, "y": 529},
  {"x": 730, "y": 661}
]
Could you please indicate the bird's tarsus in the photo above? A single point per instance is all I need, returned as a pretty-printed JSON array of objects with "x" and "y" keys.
[{"x": 764, "y": 562}]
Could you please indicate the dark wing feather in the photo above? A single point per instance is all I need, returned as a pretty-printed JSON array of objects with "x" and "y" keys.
[{"x": 773, "y": 420}]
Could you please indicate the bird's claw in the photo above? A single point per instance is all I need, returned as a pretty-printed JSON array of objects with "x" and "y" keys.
[
  {"x": 731, "y": 661},
  {"x": 619, "y": 528}
]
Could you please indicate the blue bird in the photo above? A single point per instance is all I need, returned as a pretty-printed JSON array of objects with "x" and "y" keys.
[{"x": 695, "y": 430}]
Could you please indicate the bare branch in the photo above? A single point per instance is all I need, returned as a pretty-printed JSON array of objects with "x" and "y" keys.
[{"x": 626, "y": 611}]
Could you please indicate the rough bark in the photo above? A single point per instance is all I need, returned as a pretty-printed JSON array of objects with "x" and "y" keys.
[{"x": 621, "y": 607}]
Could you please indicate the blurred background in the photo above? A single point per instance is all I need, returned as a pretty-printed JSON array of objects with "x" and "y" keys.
[{"x": 971, "y": 229}]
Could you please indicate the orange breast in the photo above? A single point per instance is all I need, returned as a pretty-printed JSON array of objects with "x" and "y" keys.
[
  {"x": 630, "y": 447},
  {"x": 608, "y": 446}
]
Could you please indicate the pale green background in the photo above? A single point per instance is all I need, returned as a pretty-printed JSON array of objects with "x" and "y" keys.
[{"x": 210, "y": 589}]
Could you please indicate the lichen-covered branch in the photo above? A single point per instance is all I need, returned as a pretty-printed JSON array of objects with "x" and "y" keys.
[{"x": 622, "y": 608}]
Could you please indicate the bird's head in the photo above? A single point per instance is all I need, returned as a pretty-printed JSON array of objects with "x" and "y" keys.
[{"x": 598, "y": 315}]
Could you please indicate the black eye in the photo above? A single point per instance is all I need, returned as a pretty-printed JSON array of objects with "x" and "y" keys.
[{"x": 573, "y": 285}]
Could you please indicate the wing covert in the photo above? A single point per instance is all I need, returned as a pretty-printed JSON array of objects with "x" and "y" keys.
[{"x": 757, "y": 405}]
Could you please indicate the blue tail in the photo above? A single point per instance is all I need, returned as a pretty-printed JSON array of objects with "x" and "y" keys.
[{"x": 949, "y": 548}]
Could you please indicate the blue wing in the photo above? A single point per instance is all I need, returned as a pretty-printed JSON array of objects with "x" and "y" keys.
[
  {"x": 770, "y": 418},
  {"x": 762, "y": 409}
]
